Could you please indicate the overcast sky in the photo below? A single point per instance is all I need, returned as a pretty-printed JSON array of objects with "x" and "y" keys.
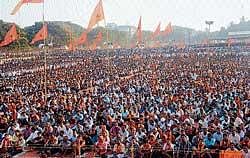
[{"x": 189, "y": 13}]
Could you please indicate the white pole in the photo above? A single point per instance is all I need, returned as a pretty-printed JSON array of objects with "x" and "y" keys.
[{"x": 45, "y": 58}]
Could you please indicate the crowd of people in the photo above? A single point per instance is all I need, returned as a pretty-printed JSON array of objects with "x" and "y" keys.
[{"x": 127, "y": 103}]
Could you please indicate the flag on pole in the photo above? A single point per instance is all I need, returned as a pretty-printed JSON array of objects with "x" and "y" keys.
[
  {"x": 97, "y": 15},
  {"x": 180, "y": 44},
  {"x": 21, "y": 2},
  {"x": 156, "y": 32},
  {"x": 82, "y": 39},
  {"x": 230, "y": 41},
  {"x": 41, "y": 34},
  {"x": 98, "y": 38},
  {"x": 168, "y": 29},
  {"x": 10, "y": 36},
  {"x": 139, "y": 32}
]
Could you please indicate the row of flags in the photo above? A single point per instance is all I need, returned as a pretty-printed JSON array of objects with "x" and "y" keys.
[
  {"x": 12, "y": 35},
  {"x": 96, "y": 16}
]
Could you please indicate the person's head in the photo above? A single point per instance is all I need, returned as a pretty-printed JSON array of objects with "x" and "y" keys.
[
  {"x": 101, "y": 139},
  {"x": 232, "y": 145},
  {"x": 183, "y": 138},
  {"x": 65, "y": 138},
  {"x": 61, "y": 133},
  {"x": 245, "y": 149},
  {"x": 182, "y": 132},
  {"x": 218, "y": 130}
]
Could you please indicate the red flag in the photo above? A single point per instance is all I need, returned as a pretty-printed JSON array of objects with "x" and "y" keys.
[
  {"x": 156, "y": 32},
  {"x": 10, "y": 36},
  {"x": 21, "y": 2},
  {"x": 41, "y": 34},
  {"x": 139, "y": 32},
  {"x": 97, "y": 15},
  {"x": 168, "y": 29}
]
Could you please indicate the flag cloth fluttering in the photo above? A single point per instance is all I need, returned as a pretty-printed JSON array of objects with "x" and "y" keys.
[
  {"x": 156, "y": 32},
  {"x": 82, "y": 39},
  {"x": 180, "y": 45},
  {"x": 230, "y": 41},
  {"x": 10, "y": 36},
  {"x": 139, "y": 32},
  {"x": 98, "y": 38},
  {"x": 41, "y": 34},
  {"x": 21, "y": 2},
  {"x": 168, "y": 29},
  {"x": 97, "y": 15}
]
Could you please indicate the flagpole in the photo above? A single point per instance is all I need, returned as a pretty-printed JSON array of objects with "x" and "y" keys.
[
  {"x": 107, "y": 34},
  {"x": 45, "y": 59}
]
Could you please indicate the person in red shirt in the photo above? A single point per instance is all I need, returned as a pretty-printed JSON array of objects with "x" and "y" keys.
[
  {"x": 6, "y": 143},
  {"x": 101, "y": 147}
]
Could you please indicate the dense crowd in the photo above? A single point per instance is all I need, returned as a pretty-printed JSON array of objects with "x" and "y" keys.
[{"x": 127, "y": 103}]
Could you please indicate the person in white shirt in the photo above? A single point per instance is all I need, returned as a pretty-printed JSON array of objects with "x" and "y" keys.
[
  {"x": 234, "y": 137},
  {"x": 68, "y": 131},
  {"x": 245, "y": 152},
  {"x": 238, "y": 121},
  {"x": 32, "y": 136}
]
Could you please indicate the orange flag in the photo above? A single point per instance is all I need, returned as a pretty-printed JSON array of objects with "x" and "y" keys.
[
  {"x": 98, "y": 38},
  {"x": 156, "y": 32},
  {"x": 97, "y": 15},
  {"x": 10, "y": 36},
  {"x": 82, "y": 39},
  {"x": 230, "y": 41},
  {"x": 168, "y": 29},
  {"x": 180, "y": 45},
  {"x": 21, "y": 2},
  {"x": 139, "y": 32},
  {"x": 41, "y": 34}
]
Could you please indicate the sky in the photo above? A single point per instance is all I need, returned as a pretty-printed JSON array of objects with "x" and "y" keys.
[{"x": 187, "y": 13}]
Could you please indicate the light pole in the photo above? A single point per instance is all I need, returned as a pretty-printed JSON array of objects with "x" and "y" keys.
[{"x": 209, "y": 23}]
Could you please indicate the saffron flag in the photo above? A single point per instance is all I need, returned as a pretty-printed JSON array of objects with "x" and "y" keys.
[
  {"x": 97, "y": 15},
  {"x": 41, "y": 34},
  {"x": 10, "y": 36},
  {"x": 72, "y": 46},
  {"x": 139, "y": 32},
  {"x": 168, "y": 29},
  {"x": 82, "y": 39},
  {"x": 230, "y": 41},
  {"x": 21, "y": 2},
  {"x": 180, "y": 45},
  {"x": 156, "y": 32},
  {"x": 98, "y": 38}
]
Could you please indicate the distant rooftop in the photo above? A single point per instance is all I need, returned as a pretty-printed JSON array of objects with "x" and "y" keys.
[{"x": 239, "y": 34}]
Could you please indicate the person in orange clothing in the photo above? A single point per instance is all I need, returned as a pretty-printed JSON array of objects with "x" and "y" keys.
[
  {"x": 119, "y": 149},
  {"x": 146, "y": 149},
  {"x": 101, "y": 147}
]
